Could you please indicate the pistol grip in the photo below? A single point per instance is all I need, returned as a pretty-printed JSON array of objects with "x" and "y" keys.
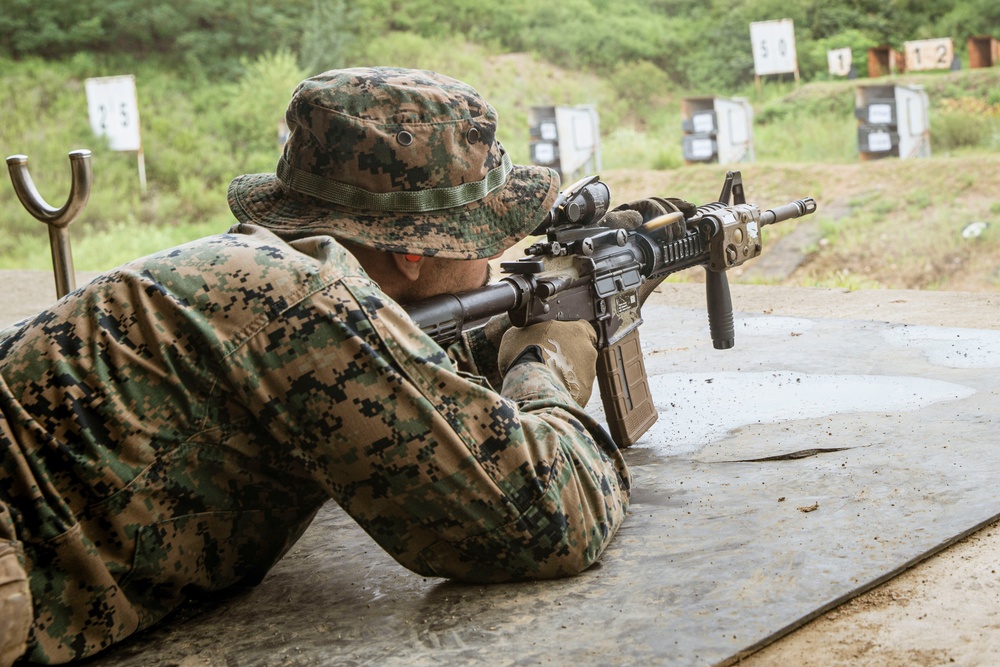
[{"x": 621, "y": 376}]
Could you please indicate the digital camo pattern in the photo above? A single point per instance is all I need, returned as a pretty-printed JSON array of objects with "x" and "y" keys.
[
  {"x": 172, "y": 428},
  {"x": 388, "y": 130}
]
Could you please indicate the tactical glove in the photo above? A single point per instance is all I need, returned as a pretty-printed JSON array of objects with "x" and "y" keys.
[
  {"x": 635, "y": 213},
  {"x": 567, "y": 348},
  {"x": 477, "y": 350}
]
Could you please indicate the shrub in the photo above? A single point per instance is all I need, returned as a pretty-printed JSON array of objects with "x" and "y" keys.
[{"x": 959, "y": 129}]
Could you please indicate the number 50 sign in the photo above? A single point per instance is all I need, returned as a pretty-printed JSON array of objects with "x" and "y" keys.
[
  {"x": 774, "y": 47},
  {"x": 114, "y": 111}
]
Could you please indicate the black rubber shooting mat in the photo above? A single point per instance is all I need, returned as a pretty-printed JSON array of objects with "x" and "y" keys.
[{"x": 817, "y": 458}]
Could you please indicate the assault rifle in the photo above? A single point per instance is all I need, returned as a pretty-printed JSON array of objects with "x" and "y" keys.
[{"x": 586, "y": 271}]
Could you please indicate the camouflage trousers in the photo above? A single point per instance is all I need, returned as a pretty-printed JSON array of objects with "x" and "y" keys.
[{"x": 170, "y": 430}]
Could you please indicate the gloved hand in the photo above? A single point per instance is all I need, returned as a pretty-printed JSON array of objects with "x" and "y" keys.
[
  {"x": 477, "y": 350},
  {"x": 15, "y": 605},
  {"x": 632, "y": 214},
  {"x": 567, "y": 348}
]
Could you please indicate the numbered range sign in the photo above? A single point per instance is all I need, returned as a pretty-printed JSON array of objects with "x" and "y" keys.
[
  {"x": 929, "y": 54},
  {"x": 879, "y": 141},
  {"x": 773, "y": 47},
  {"x": 839, "y": 61},
  {"x": 114, "y": 111}
]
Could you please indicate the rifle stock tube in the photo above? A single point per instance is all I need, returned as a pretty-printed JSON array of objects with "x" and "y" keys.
[{"x": 446, "y": 316}]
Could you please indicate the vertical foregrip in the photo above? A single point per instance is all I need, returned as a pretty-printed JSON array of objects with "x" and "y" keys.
[
  {"x": 621, "y": 376},
  {"x": 720, "y": 309}
]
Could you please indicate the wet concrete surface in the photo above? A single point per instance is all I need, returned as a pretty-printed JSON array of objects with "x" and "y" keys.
[{"x": 819, "y": 457}]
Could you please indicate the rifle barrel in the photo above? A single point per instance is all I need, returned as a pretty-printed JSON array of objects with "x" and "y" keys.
[{"x": 794, "y": 209}]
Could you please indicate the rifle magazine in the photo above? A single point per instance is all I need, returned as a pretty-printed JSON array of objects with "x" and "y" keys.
[{"x": 621, "y": 377}]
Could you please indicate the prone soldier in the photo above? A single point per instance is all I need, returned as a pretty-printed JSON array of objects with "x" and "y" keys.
[{"x": 171, "y": 428}]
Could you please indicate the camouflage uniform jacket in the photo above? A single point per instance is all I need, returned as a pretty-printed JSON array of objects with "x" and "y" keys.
[{"x": 172, "y": 427}]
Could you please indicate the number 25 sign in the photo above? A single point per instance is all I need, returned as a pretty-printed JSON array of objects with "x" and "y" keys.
[{"x": 114, "y": 111}]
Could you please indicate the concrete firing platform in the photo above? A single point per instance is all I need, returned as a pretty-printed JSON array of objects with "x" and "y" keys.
[{"x": 846, "y": 437}]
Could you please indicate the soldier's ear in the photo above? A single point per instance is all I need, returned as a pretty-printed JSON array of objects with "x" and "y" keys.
[{"x": 409, "y": 265}]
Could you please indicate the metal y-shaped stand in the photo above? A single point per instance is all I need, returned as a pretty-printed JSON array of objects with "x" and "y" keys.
[{"x": 58, "y": 220}]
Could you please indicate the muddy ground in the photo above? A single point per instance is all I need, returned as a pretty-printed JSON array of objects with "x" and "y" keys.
[{"x": 945, "y": 610}]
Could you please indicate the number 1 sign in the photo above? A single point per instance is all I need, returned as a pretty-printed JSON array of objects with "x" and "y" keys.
[{"x": 839, "y": 61}]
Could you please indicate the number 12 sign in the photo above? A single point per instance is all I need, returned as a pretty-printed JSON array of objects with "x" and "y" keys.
[
  {"x": 929, "y": 54},
  {"x": 114, "y": 111}
]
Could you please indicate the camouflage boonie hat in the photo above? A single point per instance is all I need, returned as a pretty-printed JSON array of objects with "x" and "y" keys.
[{"x": 405, "y": 161}]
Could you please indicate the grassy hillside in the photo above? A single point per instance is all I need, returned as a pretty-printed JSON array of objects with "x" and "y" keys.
[{"x": 902, "y": 226}]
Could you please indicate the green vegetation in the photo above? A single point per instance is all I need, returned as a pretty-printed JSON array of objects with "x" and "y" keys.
[
  {"x": 694, "y": 43},
  {"x": 213, "y": 79}
]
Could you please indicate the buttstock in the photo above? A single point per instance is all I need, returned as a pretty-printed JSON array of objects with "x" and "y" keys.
[{"x": 621, "y": 377}]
